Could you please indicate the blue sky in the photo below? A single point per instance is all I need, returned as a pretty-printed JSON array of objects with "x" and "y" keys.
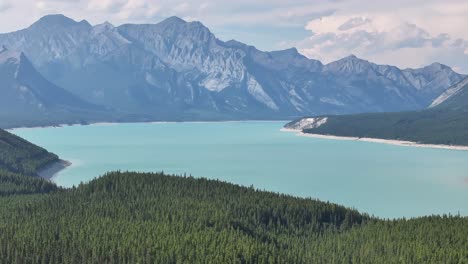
[{"x": 410, "y": 33}]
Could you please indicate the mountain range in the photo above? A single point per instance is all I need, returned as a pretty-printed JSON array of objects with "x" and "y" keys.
[
  {"x": 444, "y": 122},
  {"x": 178, "y": 70},
  {"x": 28, "y": 98}
]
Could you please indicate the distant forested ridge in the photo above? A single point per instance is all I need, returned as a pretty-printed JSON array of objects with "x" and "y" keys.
[
  {"x": 444, "y": 123},
  {"x": 126, "y": 217},
  {"x": 19, "y": 163},
  {"x": 20, "y": 156}
]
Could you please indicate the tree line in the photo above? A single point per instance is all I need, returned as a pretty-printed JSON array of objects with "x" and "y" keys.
[{"x": 127, "y": 217}]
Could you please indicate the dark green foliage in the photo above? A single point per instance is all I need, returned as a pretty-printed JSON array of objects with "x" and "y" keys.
[
  {"x": 435, "y": 126},
  {"x": 445, "y": 124},
  {"x": 19, "y": 163},
  {"x": 11, "y": 183},
  {"x": 19, "y": 156},
  {"x": 153, "y": 218}
]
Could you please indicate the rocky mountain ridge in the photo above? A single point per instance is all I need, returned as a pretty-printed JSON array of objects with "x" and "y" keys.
[{"x": 180, "y": 70}]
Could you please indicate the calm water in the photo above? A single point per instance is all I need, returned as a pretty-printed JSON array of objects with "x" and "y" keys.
[{"x": 387, "y": 181}]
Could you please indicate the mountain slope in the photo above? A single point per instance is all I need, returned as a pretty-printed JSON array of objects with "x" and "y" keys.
[
  {"x": 455, "y": 95},
  {"x": 19, "y": 156},
  {"x": 180, "y": 70},
  {"x": 29, "y": 99},
  {"x": 20, "y": 162},
  {"x": 446, "y": 122}
]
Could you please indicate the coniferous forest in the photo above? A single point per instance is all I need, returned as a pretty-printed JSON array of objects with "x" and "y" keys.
[
  {"x": 446, "y": 123},
  {"x": 126, "y": 217},
  {"x": 19, "y": 163}
]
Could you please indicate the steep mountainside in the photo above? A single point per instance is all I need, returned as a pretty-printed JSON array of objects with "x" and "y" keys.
[
  {"x": 20, "y": 161},
  {"x": 456, "y": 96},
  {"x": 445, "y": 122},
  {"x": 27, "y": 98},
  {"x": 180, "y": 70},
  {"x": 19, "y": 156}
]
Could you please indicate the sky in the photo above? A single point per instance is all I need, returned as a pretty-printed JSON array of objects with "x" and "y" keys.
[{"x": 404, "y": 33}]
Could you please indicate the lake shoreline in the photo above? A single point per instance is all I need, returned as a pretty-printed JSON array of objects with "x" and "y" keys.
[
  {"x": 148, "y": 122},
  {"x": 259, "y": 154},
  {"x": 50, "y": 171},
  {"x": 378, "y": 140}
]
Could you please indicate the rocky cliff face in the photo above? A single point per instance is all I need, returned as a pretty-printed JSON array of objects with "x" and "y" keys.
[
  {"x": 27, "y": 98},
  {"x": 454, "y": 100},
  {"x": 180, "y": 70},
  {"x": 306, "y": 123},
  {"x": 451, "y": 93}
]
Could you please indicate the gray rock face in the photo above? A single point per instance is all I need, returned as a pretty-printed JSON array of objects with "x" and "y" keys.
[
  {"x": 449, "y": 93},
  {"x": 49, "y": 39},
  {"x": 454, "y": 98},
  {"x": 27, "y": 98},
  {"x": 180, "y": 70},
  {"x": 306, "y": 123}
]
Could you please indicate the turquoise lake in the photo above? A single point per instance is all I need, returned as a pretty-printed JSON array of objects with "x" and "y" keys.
[{"x": 383, "y": 180}]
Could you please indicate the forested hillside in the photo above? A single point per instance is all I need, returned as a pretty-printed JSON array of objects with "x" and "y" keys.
[
  {"x": 19, "y": 163},
  {"x": 126, "y": 217},
  {"x": 19, "y": 156},
  {"x": 153, "y": 218},
  {"x": 435, "y": 126},
  {"x": 446, "y": 123}
]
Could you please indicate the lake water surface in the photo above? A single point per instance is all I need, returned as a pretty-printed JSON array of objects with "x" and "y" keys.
[{"x": 384, "y": 180}]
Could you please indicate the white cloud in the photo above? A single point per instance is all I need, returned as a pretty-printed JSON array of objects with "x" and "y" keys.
[
  {"x": 354, "y": 22},
  {"x": 213, "y": 12},
  {"x": 369, "y": 34},
  {"x": 403, "y": 36},
  {"x": 106, "y": 5},
  {"x": 4, "y": 6},
  {"x": 408, "y": 33}
]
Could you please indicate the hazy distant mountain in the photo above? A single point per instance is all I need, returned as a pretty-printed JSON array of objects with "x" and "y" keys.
[
  {"x": 445, "y": 122},
  {"x": 456, "y": 95},
  {"x": 26, "y": 98},
  {"x": 180, "y": 70}
]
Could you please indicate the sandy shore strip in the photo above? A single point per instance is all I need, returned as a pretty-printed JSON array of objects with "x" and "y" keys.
[
  {"x": 51, "y": 170},
  {"x": 377, "y": 140},
  {"x": 144, "y": 122}
]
